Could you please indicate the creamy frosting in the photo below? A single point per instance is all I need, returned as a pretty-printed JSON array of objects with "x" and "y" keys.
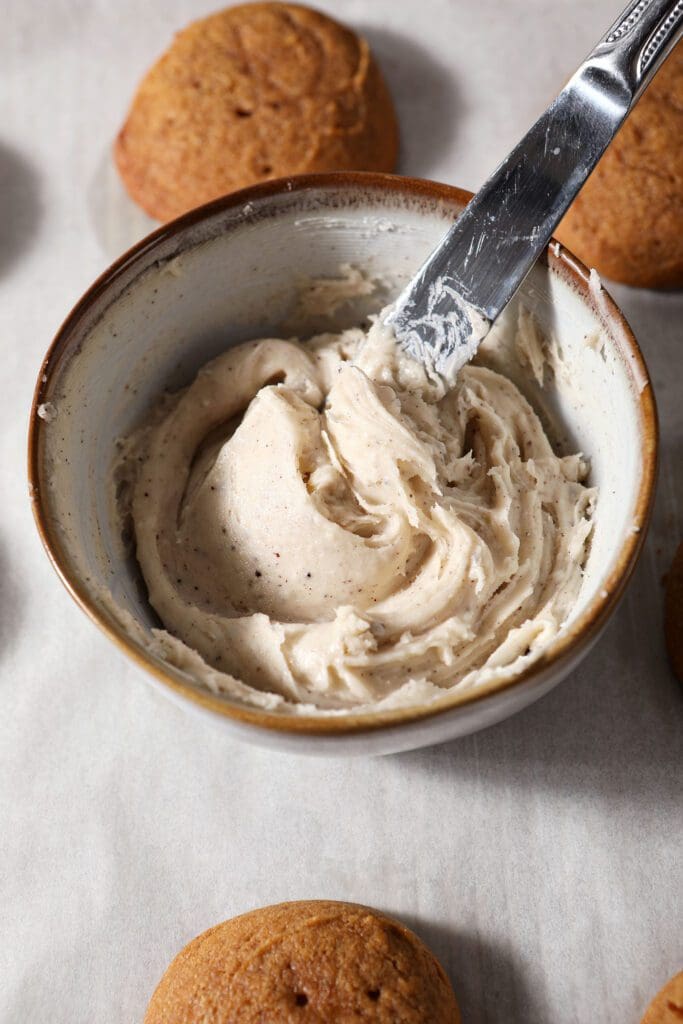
[{"x": 319, "y": 525}]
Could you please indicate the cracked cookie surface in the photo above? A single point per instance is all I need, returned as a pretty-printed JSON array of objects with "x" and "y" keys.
[{"x": 311, "y": 961}]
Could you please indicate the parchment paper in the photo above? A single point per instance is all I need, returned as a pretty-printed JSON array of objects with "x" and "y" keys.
[{"x": 542, "y": 858}]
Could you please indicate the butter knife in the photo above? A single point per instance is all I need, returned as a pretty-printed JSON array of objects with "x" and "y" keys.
[{"x": 448, "y": 308}]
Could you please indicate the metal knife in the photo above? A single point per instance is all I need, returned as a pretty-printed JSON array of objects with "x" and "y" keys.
[{"x": 450, "y": 305}]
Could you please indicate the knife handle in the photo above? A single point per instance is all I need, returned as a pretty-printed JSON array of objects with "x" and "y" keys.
[{"x": 637, "y": 43}]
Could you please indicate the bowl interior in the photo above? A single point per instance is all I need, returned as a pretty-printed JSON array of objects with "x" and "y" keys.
[{"x": 242, "y": 269}]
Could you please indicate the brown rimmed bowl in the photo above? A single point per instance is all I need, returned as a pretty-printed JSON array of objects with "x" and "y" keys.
[{"x": 232, "y": 270}]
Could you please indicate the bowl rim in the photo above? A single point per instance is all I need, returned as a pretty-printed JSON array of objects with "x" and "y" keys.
[{"x": 563, "y": 650}]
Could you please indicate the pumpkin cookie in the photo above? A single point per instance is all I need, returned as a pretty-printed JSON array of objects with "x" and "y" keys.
[
  {"x": 626, "y": 221},
  {"x": 253, "y": 92},
  {"x": 310, "y": 961},
  {"x": 667, "y": 1005}
]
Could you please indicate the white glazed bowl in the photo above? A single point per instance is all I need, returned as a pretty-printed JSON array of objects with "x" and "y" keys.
[{"x": 230, "y": 271}]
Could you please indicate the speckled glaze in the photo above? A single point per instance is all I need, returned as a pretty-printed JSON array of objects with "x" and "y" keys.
[{"x": 231, "y": 270}]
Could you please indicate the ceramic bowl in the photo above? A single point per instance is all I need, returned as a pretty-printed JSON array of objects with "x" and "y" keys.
[{"x": 232, "y": 270}]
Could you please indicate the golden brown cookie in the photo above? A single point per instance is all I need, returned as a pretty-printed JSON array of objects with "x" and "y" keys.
[
  {"x": 667, "y": 1005},
  {"x": 673, "y": 613},
  {"x": 627, "y": 221},
  {"x": 253, "y": 92},
  {"x": 315, "y": 961}
]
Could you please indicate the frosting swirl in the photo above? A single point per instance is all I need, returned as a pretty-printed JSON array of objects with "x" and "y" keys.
[{"x": 321, "y": 522}]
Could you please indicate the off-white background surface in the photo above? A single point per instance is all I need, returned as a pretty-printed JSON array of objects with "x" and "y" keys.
[{"x": 541, "y": 859}]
